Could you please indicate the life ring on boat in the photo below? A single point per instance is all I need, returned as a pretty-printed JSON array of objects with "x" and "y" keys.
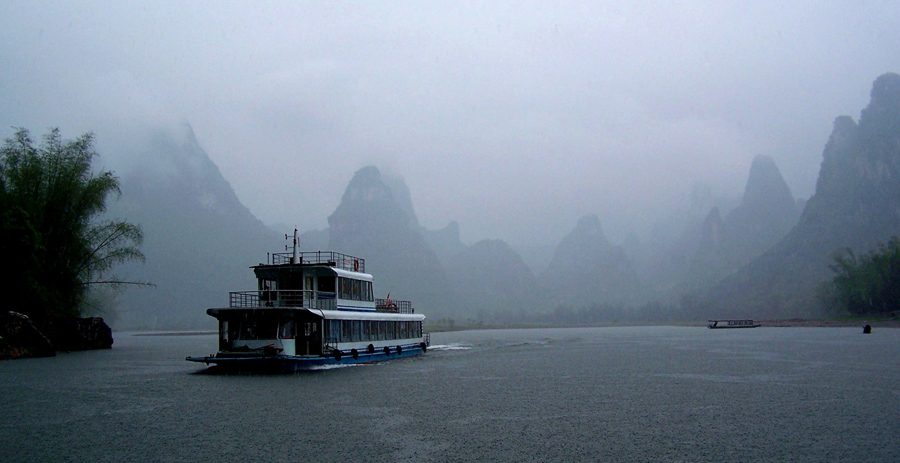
[
  {"x": 355, "y": 354},
  {"x": 399, "y": 350},
  {"x": 387, "y": 351},
  {"x": 423, "y": 346},
  {"x": 337, "y": 354},
  {"x": 355, "y": 265},
  {"x": 370, "y": 349}
]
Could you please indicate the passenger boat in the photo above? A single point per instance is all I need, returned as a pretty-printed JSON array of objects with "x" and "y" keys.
[
  {"x": 720, "y": 324},
  {"x": 313, "y": 309}
]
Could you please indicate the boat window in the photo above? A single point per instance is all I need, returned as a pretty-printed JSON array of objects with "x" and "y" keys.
[
  {"x": 326, "y": 287},
  {"x": 234, "y": 328},
  {"x": 358, "y": 330},
  {"x": 333, "y": 334},
  {"x": 287, "y": 329},
  {"x": 262, "y": 328},
  {"x": 356, "y": 290},
  {"x": 224, "y": 335},
  {"x": 345, "y": 330}
]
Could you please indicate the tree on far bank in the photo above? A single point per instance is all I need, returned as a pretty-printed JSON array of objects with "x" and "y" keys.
[
  {"x": 868, "y": 284},
  {"x": 54, "y": 248}
]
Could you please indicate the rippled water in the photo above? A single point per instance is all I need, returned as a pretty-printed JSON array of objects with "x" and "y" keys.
[{"x": 592, "y": 394}]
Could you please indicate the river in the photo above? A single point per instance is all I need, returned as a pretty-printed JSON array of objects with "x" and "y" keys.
[{"x": 574, "y": 394}]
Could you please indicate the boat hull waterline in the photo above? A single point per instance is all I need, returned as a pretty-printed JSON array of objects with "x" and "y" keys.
[
  {"x": 731, "y": 324},
  {"x": 288, "y": 363}
]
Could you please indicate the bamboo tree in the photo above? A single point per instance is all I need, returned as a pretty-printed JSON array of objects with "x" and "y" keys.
[
  {"x": 56, "y": 248},
  {"x": 870, "y": 283}
]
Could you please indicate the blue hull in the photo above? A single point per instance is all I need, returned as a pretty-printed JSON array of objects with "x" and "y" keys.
[{"x": 286, "y": 363}]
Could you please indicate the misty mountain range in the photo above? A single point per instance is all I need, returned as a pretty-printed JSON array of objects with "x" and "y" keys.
[
  {"x": 199, "y": 240},
  {"x": 856, "y": 206},
  {"x": 762, "y": 257}
]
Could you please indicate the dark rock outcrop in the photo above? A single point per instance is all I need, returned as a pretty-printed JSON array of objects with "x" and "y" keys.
[
  {"x": 84, "y": 334},
  {"x": 19, "y": 338}
]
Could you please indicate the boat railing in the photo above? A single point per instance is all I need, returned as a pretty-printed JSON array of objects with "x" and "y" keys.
[
  {"x": 283, "y": 298},
  {"x": 330, "y": 258},
  {"x": 307, "y": 299},
  {"x": 391, "y": 306}
]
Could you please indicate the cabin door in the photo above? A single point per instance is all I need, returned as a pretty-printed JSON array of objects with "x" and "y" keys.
[
  {"x": 308, "y": 287},
  {"x": 309, "y": 338}
]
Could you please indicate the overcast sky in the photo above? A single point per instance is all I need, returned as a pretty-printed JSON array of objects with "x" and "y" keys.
[{"x": 513, "y": 119}]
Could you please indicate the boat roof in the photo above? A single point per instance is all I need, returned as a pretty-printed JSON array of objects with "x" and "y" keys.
[
  {"x": 319, "y": 269},
  {"x": 348, "y": 274},
  {"x": 326, "y": 314},
  {"x": 356, "y": 315}
]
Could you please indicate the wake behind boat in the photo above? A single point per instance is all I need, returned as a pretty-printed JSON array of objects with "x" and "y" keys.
[{"x": 313, "y": 309}]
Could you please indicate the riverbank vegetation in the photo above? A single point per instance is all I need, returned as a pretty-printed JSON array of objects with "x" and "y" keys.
[
  {"x": 55, "y": 247},
  {"x": 867, "y": 284}
]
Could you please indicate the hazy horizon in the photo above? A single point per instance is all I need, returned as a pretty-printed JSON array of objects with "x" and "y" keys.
[{"x": 512, "y": 119}]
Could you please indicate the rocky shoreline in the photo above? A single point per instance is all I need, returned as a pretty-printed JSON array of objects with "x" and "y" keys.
[{"x": 20, "y": 338}]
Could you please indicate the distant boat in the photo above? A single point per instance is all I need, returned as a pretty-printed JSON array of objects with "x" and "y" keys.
[
  {"x": 724, "y": 324},
  {"x": 313, "y": 309}
]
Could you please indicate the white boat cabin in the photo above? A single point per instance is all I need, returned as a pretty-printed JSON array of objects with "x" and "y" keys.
[{"x": 313, "y": 304}]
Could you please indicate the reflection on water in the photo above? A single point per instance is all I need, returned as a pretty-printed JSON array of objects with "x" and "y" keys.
[{"x": 636, "y": 393}]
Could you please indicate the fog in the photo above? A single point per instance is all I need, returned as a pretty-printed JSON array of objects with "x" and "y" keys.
[{"x": 513, "y": 119}]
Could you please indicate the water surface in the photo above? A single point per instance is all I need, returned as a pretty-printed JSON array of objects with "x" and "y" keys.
[{"x": 602, "y": 394}]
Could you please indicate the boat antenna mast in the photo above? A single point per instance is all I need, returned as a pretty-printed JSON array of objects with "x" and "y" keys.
[{"x": 296, "y": 255}]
